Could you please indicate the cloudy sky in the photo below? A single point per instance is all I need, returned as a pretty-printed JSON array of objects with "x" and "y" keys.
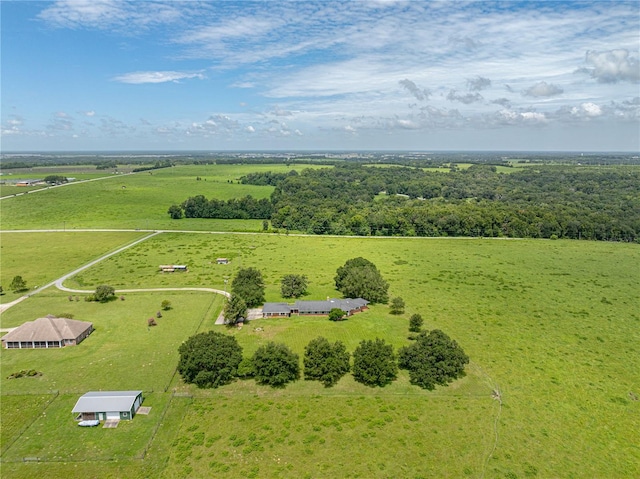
[{"x": 294, "y": 75}]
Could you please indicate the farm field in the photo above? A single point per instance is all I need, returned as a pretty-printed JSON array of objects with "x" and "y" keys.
[
  {"x": 43, "y": 257},
  {"x": 133, "y": 201},
  {"x": 553, "y": 326}
]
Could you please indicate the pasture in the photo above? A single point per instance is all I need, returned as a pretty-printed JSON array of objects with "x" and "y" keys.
[
  {"x": 43, "y": 257},
  {"x": 140, "y": 200},
  {"x": 552, "y": 325}
]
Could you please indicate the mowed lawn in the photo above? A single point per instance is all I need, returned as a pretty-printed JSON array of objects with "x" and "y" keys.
[
  {"x": 43, "y": 257},
  {"x": 122, "y": 352},
  {"x": 139, "y": 200},
  {"x": 552, "y": 325}
]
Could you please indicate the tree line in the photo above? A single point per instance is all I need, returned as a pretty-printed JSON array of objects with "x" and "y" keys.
[
  {"x": 213, "y": 359},
  {"x": 538, "y": 201}
]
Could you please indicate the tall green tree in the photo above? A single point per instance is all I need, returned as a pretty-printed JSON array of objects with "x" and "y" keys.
[
  {"x": 293, "y": 285},
  {"x": 209, "y": 359},
  {"x": 325, "y": 362},
  {"x": 249, "y": 285},
  {"x": 274, "y": 364},
  {"x": 433, "y": 359},
  {"x": 104, "y": 293},
  {"x": 18, "y": 284},
  {"x": 175, "y": 212},
  {"x": 374, "y": 363},
  {"x": 359, "y": 278},
  {"x": 234, "y": 309},
  {"x": 397, "y": 305},
  {"x": 415, "y": 323}
]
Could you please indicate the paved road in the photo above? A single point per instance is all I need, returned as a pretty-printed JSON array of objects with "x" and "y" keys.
[
  {"x": 58, "y": 282},
  {"x": 64, "y": 184}
]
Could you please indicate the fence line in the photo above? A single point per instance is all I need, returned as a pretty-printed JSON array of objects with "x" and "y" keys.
[{"x": 6, "y": 447}]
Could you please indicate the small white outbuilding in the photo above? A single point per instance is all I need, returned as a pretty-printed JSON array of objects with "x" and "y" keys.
[{"x": 103, "y": 405}]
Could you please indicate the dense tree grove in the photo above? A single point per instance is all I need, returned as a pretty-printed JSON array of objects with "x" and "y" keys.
[
  {"x": 325, "y": 362},
  {"x": 360, "y": 278},
  {"x": 533, "y": 202},
  {"x": 249, "y": 286},
  {"x": 209, "y": 359},
  {"x": 293, "y": 285},
  {"x": 374, "y": 363},
  {"x": 434, "y": 358},
  {"x": 55, "y": 179},
  {"x": 235, "y": 208},
  {"x": 274, "y": 364}
]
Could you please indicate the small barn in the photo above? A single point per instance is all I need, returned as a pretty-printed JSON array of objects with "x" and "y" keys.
[
  {"x": 170, "y": 268},
  {"x": 103, "y": 405},
  {"x": 47, "y": 332}
]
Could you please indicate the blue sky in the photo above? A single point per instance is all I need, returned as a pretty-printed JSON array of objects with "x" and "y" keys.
[{"x": 295, "y": 75}]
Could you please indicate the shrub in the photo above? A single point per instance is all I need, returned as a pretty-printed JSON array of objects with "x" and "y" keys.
[{"x": 336, "y": 314}]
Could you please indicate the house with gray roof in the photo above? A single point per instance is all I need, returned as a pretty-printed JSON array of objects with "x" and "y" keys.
[
  {"x": 322, "y": 307},
  {"x": 275, "y": 310},
  {"x": 103, "y": 405},
  {"x": 47, "y": 332}
]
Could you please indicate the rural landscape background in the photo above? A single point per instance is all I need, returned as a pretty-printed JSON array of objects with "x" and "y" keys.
[
  {"x": 482, "y": 156},
  {"x": 550, "y": 325}
]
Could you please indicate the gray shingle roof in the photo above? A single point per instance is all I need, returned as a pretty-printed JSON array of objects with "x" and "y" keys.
[
  {"x": 49, "y": 328},
  {"x": 274, "y": 308},
  {"x": 106, "y": 401},
  {"x": 345, "y": 305}
]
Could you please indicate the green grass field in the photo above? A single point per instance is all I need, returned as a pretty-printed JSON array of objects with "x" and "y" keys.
[
  {"x": 43, "y": 257},
  {"x": 140, "y": 200},
  {"x": 552, "y": 325}
]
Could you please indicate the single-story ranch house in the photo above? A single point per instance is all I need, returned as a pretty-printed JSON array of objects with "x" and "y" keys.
[
  {"x": 103, "y": 405},
  {"x": 48, "y": 332},
  {"x": 348, "y": 305}
]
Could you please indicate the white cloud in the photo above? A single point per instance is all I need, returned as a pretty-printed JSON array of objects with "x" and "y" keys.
[
  {"x": 543, "y": 89},
  {"x": 108, "y": 14},
  {"x": 478, "y": 83},
  {"x": 466, "y": 98},
  {"x": 420, "y": 94},
  {"x": 250, "y": 129},
  {"x": 137, "y": 78},
  {"x": 613, "y": 66}
]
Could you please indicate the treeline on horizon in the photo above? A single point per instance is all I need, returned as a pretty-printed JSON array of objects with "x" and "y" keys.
[
  {"x": 352, "y": 199},
  {"x": 111, "y": 160}
]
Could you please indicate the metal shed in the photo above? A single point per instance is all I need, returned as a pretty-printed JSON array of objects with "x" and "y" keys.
[{"x": 103, "y": 405}]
